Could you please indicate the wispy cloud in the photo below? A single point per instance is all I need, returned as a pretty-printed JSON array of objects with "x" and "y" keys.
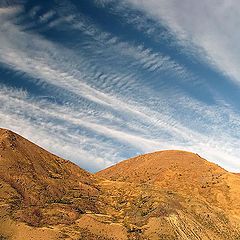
[
  {"x": 211, "y": 26},
  {"x": 110, "y": 107},
  {"x": 37, "y": 121}
]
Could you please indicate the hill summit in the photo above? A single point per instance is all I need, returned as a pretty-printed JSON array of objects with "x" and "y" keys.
[
  {"x": 162, "y": 165},
  {"x": 162, "y": 195}
]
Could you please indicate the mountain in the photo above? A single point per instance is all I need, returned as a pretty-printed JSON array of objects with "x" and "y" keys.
[
  {"x": 39, "y": 188},
  {"x": 176, "y": 171},
  {"x": 182, "y": 195},
  {"x": 161, "y": 195}
]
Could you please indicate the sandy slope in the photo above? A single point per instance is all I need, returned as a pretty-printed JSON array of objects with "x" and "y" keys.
[{"x": 162, "y": 195}]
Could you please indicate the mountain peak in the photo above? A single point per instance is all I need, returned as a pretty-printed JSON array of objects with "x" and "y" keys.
[
  {"x": 157, "y": 166},
  {"x": 33, "y": 176},
  {"x": 169, "y": 194}
]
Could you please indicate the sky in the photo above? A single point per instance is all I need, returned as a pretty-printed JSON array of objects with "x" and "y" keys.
[{"x": 100, "y": 81}]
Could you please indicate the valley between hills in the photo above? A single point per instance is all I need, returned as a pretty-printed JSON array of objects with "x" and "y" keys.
[{"x": 162, "y": 195}]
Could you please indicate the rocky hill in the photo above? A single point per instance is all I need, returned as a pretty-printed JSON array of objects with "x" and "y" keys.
[
  {"x": 162, "y": 195},
  {"x": 39, "y": 188}
]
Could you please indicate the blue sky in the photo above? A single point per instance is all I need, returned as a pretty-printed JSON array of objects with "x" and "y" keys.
[{"x": 99, "y": 81}]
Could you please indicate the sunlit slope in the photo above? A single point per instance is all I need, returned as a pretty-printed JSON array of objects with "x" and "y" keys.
[
  {"x": 161, "y": 195},
  {"x": 181, "y": 193}
]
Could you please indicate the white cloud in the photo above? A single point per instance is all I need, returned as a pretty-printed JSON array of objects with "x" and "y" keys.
[
  {"x": 144, "y": 121},
  {"x": 210, "y": 25},
  {"x": 17, "y": 112}
]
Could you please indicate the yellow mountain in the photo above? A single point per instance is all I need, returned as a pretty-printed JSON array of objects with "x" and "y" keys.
[{"x": 161, "y": 195}]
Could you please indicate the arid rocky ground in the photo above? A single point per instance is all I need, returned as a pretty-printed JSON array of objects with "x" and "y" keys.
[{"x": 162, "y": 195}]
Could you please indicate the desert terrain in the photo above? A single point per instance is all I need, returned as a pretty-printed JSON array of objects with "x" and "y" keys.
[{"x": 162, "y": 195}]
